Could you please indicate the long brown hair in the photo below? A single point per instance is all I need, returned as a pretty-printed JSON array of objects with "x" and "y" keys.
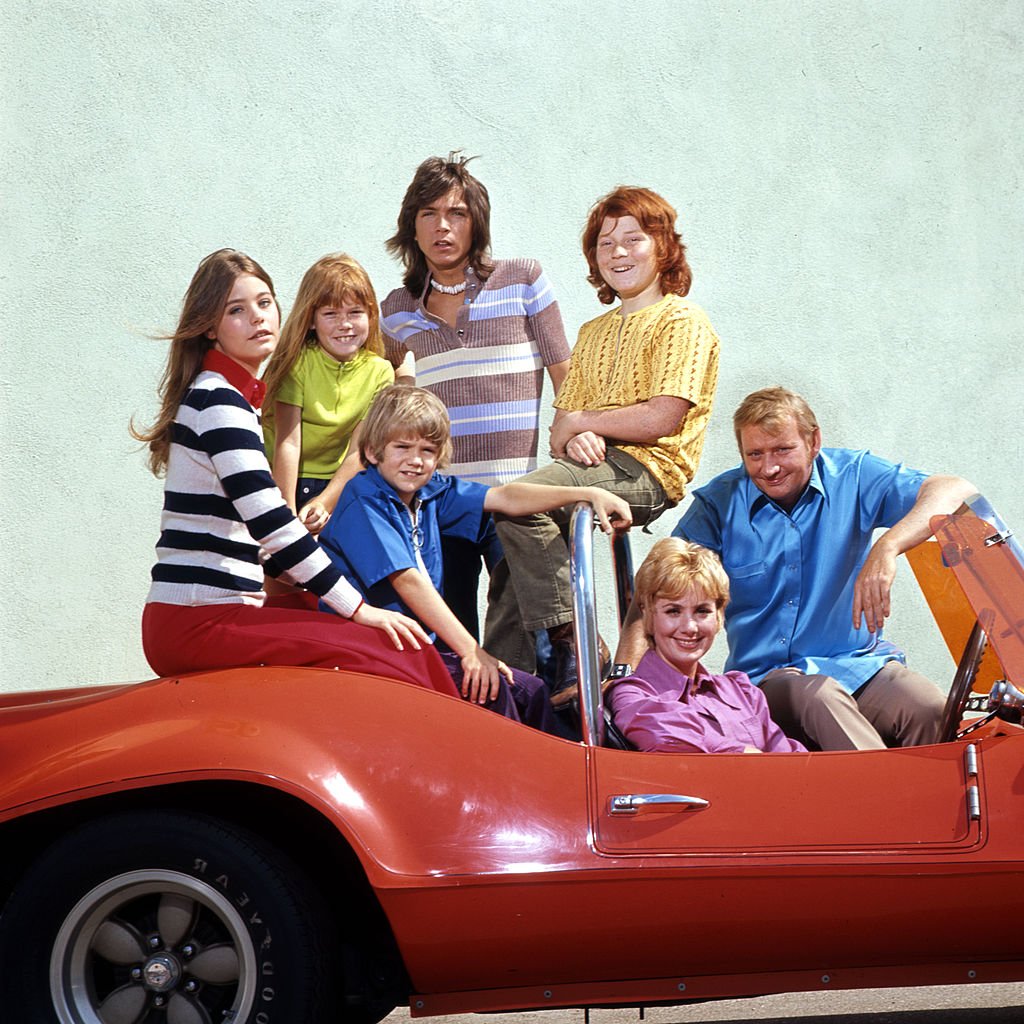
[
  {"x": 434, "y": 178},
  {"x": 201, "y": 309},
  {"x": 329, "y": 282},
  {"x": 657, "y": 219}
]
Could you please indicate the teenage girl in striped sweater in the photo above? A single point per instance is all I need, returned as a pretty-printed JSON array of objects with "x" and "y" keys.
[{"x": 223, "y": 514}]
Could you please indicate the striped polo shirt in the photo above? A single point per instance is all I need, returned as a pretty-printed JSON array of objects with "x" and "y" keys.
[{"x": 489, "y": 368}]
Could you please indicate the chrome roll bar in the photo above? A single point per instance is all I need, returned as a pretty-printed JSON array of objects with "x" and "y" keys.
[{"x": 584, "y": 610}]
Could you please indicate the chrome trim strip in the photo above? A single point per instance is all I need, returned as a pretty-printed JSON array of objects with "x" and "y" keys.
[{"x": 584, "y": 610}]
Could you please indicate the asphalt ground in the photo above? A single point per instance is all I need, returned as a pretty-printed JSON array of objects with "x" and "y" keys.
[{"x": 946, "y": 1004}]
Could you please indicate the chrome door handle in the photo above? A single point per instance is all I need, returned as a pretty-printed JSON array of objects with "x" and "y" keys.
[{"x": 650, "y": 803}]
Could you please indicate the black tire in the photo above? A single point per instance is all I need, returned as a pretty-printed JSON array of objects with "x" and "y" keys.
[{"x": 138, "y": 911}]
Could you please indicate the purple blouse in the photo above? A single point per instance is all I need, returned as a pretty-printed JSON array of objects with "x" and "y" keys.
[{"x": 726, "y": 714}]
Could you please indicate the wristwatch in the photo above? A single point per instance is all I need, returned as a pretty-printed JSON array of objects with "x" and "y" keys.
[{"x": 620, "y": 670}]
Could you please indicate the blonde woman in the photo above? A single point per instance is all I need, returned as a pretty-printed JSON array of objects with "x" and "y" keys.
[{"x": 671, "y": 702}]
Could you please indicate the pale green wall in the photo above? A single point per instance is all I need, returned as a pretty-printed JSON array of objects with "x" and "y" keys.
[{"x": 848, "y": 178}]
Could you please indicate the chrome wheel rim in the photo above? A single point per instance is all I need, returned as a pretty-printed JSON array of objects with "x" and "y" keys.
[{"x": 152, "y": 945}]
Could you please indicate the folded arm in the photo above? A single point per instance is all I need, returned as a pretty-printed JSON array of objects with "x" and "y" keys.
[{"x": 643, "y": 423}]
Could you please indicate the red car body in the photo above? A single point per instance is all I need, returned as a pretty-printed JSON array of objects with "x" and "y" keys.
[{"x": 470, "y": 863}]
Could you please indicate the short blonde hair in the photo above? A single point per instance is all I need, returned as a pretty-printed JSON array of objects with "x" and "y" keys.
[
  {"x": 673, "y": 568},
  {"x": 769, "y": 409},
  {"x": 405, "y": 411}
]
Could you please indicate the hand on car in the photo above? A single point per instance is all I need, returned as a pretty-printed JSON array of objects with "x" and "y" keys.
[{"x": 400, "y": 628}]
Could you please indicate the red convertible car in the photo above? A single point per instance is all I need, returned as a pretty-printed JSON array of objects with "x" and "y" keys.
[{"x": 298, "y": 846}]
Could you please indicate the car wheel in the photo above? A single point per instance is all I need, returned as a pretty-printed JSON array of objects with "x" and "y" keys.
[{"x": 165, "y": 916}]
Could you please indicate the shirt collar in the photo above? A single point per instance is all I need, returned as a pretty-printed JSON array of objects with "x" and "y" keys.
[
  {"x": 667, "y": 297},
  {"x": 660, "y": 673},
  {"x": 706, "y": 683},
  {"x": 756, "y": 499},
  {"x": 336, "y": 366},
  {"x": 435, "y": 484},
  {"x": 474, "y": 282},
  {"x": 253, "y": 390}
]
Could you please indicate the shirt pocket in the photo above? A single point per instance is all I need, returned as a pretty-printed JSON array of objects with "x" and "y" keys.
[{"x": 750, "y": 570}]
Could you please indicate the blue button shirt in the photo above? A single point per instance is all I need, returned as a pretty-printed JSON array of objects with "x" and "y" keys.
[
  {"x": 373, "y": 534},
  {"x": 791, "y": 574}
]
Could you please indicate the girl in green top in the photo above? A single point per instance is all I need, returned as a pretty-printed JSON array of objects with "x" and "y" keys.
[{"x": 325, "y": 372}]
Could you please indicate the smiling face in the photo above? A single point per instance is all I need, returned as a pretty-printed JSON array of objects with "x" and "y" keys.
[
  {"x": 627, "y": 258},
  {"x": 684, "y": 628},
  {"x": 342, "y": 330},
  {"x": 780, "y": 463},
  {"x": 406, "y": 463},
  {"x": 444, "y": 233},
  {"x": 248, "y": 328}
]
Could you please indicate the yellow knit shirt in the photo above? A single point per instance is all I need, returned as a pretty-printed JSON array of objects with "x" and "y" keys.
[{"x": 669, "y": 348}]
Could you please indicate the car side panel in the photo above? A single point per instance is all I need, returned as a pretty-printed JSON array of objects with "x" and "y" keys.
[
  {"x": 423, "y": 785},
  {"x": 702, "y": 920}
]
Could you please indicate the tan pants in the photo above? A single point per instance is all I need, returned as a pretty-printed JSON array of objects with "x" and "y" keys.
[{"x": 896, "y": 707}]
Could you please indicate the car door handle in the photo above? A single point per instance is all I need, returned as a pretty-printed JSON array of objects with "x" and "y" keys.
[{"x": 651, "y": 803}]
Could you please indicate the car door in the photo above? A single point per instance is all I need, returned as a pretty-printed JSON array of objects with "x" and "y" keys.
[{"x": 859, "y": 802}]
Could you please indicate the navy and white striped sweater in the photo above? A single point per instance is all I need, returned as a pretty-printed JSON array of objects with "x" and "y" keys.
[{"x": 223, "y": 514}]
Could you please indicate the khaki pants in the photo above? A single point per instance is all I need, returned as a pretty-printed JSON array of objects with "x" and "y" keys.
[
  {"x": 531, "y": 584},
  {"x": 896, "y": 707}
]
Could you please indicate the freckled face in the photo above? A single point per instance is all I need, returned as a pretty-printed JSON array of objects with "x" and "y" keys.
[
  {"x": 780, "y": 464},
  {"x": 407, "y": 463},
  {"x": 628, "y": 258},
  {"x": 684, "y": 629},
  {"x": 341, "y": 331},
  {"x": 247, "y": 330}
]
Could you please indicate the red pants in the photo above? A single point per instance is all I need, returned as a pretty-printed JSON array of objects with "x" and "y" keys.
[{"x": 179, "y": 639}]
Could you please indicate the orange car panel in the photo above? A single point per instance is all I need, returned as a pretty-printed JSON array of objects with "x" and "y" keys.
[{"x": 508, "y": 874}]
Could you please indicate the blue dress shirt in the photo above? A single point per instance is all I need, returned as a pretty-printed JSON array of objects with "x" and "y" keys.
[
  {"x": 373, "y": 534},
  {"x": 791, "y": 574}
]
